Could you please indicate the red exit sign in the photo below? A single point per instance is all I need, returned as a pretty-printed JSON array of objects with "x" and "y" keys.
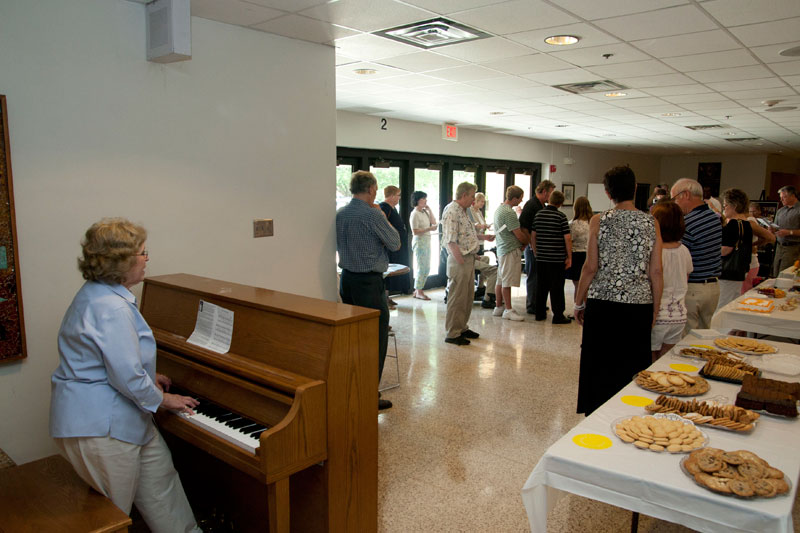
[{"x": 449, "y": 132}]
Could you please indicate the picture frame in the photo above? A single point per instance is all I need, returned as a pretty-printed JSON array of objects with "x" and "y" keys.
[
  {"x": 569, "y": 193},
  {"x": 12, "y": 325}
]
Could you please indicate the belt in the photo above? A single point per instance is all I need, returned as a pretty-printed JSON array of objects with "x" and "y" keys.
[
  {"x": 704, "y": 281},
  {"x": 350, "y": 272}
]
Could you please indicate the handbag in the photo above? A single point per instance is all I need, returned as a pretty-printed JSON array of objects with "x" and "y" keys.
[{"x": 736, "y": 264}]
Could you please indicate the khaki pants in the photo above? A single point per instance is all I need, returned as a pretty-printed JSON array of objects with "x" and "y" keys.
[
  {"x": 127, "y": 473},
  {"x": 460, "y": 293},
  {"x": 701, "y": 302},
  {"x": 488, "y": 273},
  {"x": 785, "y": 256}
]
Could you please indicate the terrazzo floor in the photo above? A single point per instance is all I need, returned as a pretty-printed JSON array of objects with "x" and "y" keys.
[{"x": 470, "y": 423}]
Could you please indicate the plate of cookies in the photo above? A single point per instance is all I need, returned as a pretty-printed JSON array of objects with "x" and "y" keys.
[
  {"x": 745, "y": 345},
  {"x": 740, "y": 473},
  {"x": 659, "y": 433},
  {"x": 673, "y": 383}
]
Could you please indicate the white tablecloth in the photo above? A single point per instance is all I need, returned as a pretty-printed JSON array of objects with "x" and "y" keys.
[
  {"x": 778, "y": 323},
  {"x": 653, "y": 483}
]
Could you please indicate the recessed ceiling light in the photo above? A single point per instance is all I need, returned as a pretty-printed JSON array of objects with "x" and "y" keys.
[
  {"x": 616, "y": 94},
  {"x": 497, "y": 112},
  {"x": 791, "y": 52},
  {"x": 779, "y": 109},
  {"x": 562, "y": 40},
  {"x": 365, "y": 71},
  {"x": 670, "y": 114},
  {"x": 562, "y": 125},
  {"x": 730, "y": 133}
]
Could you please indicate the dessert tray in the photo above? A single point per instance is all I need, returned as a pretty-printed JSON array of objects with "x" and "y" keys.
[
  {"x": 745, "y": 345},
  {"x": 779, "y": 363},
  {"x": 674, "y": 383},
  {"x": 715, "y": 413},
  {"x": 659, "y": 433},
  {"x": 740, "y": 473}
]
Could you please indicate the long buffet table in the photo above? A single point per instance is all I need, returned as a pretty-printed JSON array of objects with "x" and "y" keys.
[
  {"x": 653, "y": 483},
  {"x": 778, "y": 323}
]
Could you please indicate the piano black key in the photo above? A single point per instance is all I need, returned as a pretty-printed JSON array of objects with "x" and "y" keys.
[
  {"x": 236, "y": 424},
  {"x": 257, "y": 434},
  {"x": 226, "y": 417}
]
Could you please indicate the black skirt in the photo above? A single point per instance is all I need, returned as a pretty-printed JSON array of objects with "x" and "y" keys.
[
  {"x": 574, "y": 271},
  {"x": 615, "y": 346}
]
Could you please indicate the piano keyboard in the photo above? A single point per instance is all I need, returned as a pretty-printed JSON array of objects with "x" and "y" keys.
[{"x": 234, "y": 428}]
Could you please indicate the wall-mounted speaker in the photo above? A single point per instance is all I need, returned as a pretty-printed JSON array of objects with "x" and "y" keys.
[{"x": 169, "y": 31}]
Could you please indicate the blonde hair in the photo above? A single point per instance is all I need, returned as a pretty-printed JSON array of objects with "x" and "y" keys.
[
  {"x": 479, "y": 196},
  {"x": 390, "y": 190},
  {"x": 109, "y": 248}
]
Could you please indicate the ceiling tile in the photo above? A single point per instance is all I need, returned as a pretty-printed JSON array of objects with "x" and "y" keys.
[
  {"x": 746, "y": 84},
  {"x": 785, "y": 69},
  {"x": 288, "y": 5},
  {"x": 583, "y": 57},
  {"x": 536, "y": 92},
  {"x": 467, "y": 73},
  {"x": 714, "y": 60},
  {"x": 514, "y": 16},
  {"x": 693, "y": 98},
  {"x": 659, "y": 23},
  {"x": 690, "y": 43},
  {"x": 527, "y": 64},
  {"x": 347, "y": 71},
  {"x": 614, "y": 8},
  {"x": 233, "y": 12},
  {"x": 695, "y": 88},
  {"x": 635, "y": 68},
  {"x": 794, "y": 81},
  {"x": 304, "y": 28},
  {"x": 761, "y": 93},
  {"x": 412, "y": 80},
  {"x": 370, "y": 47},
  {"x": 646, "y": 82},
  {"x": 782, "y": 31},
  {"x": 590, "y": 37},
  {"x": 484, "y": 50},
  {"x": 771, "y": 53},
  {"x": 730, "y": 74},
  {"x": 741, "y": 12},
  {"x": 451, "y": 6},
  {"x": 367, "y": 15},
  {"x": 421, "y": 62},
  {"x": 559, "y": 77},
  {"x": 503, "y": 83}
]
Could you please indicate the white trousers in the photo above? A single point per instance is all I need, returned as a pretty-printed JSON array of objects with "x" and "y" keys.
[{"x": 127, "y": 474}]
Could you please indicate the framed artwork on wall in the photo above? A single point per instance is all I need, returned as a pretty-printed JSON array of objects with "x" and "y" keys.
[
  {"x": 12, "y": 327},
  {"x": 569, "y": 193}
]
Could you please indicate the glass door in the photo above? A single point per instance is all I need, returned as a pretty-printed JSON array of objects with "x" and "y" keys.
[
  {"x": 345, "y": 166},
  {"x": 495, "y": 191},
  {"x": 387, "y": 173}
]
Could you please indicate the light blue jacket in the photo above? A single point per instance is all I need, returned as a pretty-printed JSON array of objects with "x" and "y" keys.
[{"x": 105, "y": 382}]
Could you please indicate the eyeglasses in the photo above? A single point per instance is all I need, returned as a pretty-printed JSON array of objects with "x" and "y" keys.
[
  {"x": 144, "y": 254},
  {"x": 678, "y": 194}
]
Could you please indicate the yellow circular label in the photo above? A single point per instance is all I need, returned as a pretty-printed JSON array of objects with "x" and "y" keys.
[
  {"x": 592, "y": 441},
  {"x": 636, "y": 401},
  {"x": 680, "y": 367}
]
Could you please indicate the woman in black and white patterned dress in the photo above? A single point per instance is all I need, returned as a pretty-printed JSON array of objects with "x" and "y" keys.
[{"x": 618, "y": 295}]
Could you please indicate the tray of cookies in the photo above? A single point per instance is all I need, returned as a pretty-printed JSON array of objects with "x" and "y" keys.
[
  {"x": 728, "y": 370},
  {"x": 710, "y": 413},
  {"x": 740, "y": 473},
  {"x": 673, "y": 383},
  {"x": 706, "y": 353},
  {"x": 659, "y": 433},
  {"x": 745, "y": 345}
]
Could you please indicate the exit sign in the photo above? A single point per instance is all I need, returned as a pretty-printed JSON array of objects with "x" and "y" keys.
[{"x": 449, "y": 132}]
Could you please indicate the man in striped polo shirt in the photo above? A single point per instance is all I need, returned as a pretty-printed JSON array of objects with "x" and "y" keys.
[
  {"x": 551, "y": 242},
  {"x": 703, "y": 238}
]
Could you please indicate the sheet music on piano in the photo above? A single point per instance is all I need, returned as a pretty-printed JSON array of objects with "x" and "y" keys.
[{"x": 213, "y": 329}]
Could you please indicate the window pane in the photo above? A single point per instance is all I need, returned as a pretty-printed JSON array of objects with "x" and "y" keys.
[
  {"x": 427, "y": 181},
  {"x": 385, "y": 176},
  {"x": 460, "y": 176},
  {"x": 343, "y": 175},
  {"x": 495, "y": 193},
  {"x": 524, "y": 182}
]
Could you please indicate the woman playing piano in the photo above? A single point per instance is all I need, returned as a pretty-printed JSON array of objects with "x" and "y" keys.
[{"x": 105, "y": 389}]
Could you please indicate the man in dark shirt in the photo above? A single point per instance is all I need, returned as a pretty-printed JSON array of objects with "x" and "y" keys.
[
  {"x": 363, "y": 236},
  {"x": 552, "y": 244},
  {"x": 703, "y": 238},
  {"x": 529, "y": 211}
]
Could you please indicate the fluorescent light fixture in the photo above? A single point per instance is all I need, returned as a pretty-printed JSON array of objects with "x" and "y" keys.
[
  {"x": 616, "y": 94},
  {"x": 562, "y": 40},
  {"x": 365, "y": 71},
  {"x": 671, "y": 114}
]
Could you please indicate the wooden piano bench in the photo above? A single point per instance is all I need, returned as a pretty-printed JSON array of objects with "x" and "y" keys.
[{"x": 47, "y": 495}]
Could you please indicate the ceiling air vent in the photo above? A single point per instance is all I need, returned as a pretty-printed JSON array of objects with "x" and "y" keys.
[
  {"x": 706, "y": 127},
  {"x": 601, "y": 86},
  {"x": 744, "y": 140},
  {"x": 432, "y": 33}
]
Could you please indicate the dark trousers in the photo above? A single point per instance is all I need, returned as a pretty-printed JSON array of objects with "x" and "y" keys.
[
  {"x": 530, "y": 281},
  {"x": 368, "y": 290},
  {"x": 550, "y": 279}
]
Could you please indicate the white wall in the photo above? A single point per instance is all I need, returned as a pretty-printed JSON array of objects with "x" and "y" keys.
[
  {"x": 364, "y": 131},
  {"x": 192, "y": 150},
  {"x": 744, "y": 172}
]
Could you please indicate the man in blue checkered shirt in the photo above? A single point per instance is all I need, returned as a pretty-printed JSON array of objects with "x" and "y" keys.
[{"x": 363, "y": 236}]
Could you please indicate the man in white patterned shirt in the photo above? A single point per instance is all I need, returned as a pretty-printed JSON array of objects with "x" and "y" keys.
[{"x": 461, "y": 241}]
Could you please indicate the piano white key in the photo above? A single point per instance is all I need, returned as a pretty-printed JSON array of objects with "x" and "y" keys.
[{"x": 221, "y": 430}]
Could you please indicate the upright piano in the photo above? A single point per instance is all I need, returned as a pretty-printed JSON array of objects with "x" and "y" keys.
[{"x": 287, "y": 438}]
